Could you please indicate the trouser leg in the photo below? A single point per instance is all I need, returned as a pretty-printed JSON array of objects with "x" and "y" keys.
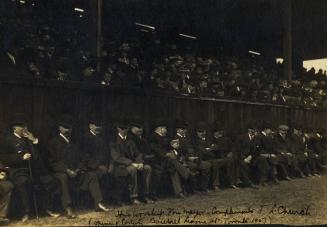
[
  {"x": 63, "y": 181},
  {"x": 176, "y": 182},
  {"x": 132, "y": 181},
  {"x": 147, "y": 173},
  {"x": 204, "y": 168},
  {"x": 23, "y": 188},
  {"x": 5, "y": 197},
  {"x": 51, "y": 187},
  {"x": 93, "y": 186}
]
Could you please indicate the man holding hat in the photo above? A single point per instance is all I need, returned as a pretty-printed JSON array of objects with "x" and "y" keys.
[
  {"x": 128, "y": 160},
  {"x": 65, "y": 163}
]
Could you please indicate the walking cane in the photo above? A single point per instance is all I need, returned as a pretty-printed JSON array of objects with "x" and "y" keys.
[{"x": 34, "y": 198}]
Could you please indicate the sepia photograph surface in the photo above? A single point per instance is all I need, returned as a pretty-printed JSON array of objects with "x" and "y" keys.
[{"x": 163, "y": 112}]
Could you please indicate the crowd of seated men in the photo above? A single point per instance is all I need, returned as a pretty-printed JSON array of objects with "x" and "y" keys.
[
  {"x": 42, "y": 46},
  {"x": 196, "y": 159}
]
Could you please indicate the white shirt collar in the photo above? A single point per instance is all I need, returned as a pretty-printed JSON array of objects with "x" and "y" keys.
[
  {"x": 122, "y": 137},
  {"x": 92, "y": 133},
  {"x": 180, "y": 135},
  {"x": 64, "y": 137},
  {"x": 17, "y": 135},
  {"x": 264, "y": 133}
]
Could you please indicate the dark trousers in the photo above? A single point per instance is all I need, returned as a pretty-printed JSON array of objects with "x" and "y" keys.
[
  {"x": 204, "y": 168},
  {"x": 6, "y": 188},
  {"x": 145, "y": 173},
  {"x": 87, "y": 182},
  {"x": 216, "y": 166},
  {"x": 23, "y": 186},
  {"x": 178, "y": 173},
  {"x": 50, "y": 185}
]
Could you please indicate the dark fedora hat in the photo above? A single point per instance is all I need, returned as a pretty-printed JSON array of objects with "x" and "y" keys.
[
  {"x": 95, "y": 119},
  {"x": 137, "y": 122},
  {"x": 180, "y": 124},
  {"x": 66, "y": 121},
  {"x": 18, "y": 119}
]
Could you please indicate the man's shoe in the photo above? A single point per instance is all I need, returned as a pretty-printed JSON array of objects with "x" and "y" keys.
[
  {"x": 181, "y": 196},
  {"x": 253, "y": 186},
  {"x": 102, "y": 207},
  {"x": 233, "y": 186},
  {"x": 52, "y": 214},
  {"x": 148, "y": 200},
  {"x": 69, "y": 213},
  {"x": 4, "y": 221},
  {"x": 216, "y": 188},
  {"x": 25, "y": 218},
  {"x": 288, "y": 178},
  {"x": 135, "y": 202}
]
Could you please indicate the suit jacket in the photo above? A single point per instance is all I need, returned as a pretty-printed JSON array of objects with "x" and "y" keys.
[
  {"x": 245, "y": 146},
  {"x": 186, "y": 147},
  {"x": 222, "y": 146},
  {"x": 143, "y": 147},
  {"x": 95, "y": 151},
  {"x": 12, "y": 153},
  {"x": 265, "y": 144},
  {"x": 297, "y": 144},
  {"x": 123, "y": 154},
  {"x": 282, "y": 145},
  {"x": 200, "y": 149},
  {"x": 63, "y": 155},
  {"x": 159, "y": 145}
]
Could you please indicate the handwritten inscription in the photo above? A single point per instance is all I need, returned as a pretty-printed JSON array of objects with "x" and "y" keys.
[{"x": 251, "y": 214}]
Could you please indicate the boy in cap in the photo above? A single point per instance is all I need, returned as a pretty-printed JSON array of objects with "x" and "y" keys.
[{"x": 161, "y": 147}]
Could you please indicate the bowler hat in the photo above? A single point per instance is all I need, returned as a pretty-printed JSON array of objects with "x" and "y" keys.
[
  {"x": 18, "y": 119},
  {"x": 66, "y": 121}
]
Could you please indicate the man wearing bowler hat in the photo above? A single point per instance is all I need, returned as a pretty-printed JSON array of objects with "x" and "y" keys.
[
  {"x": 226, "y": 159},
  {"x": 25, "y": 165},
  {"x": 161, "y": 146},
  {"x": 65, "y": 163},
  {"x": 96, "y": 153},
  {"x": 298, "y": 147},
  {"x": 193, "y": 160},
  {"x": 287, "y": 159},
  {"x": 127, "y": 158},
  {"x": 136, "y": 134}
]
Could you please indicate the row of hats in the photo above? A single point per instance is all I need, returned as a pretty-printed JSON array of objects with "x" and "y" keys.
[{"x": 68, "y": 121}]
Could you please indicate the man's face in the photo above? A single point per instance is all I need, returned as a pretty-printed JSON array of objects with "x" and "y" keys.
[
  {"x": 138, "y": 131},
  {"x": 162, "y": 130},
  {"x": 175, "y": 144},
  {"x": 251, "y": 131},
  {"x": 122, "y": 131},
  {"x": 18, "y": 130},
  {"x": 268, "y": 131},
  {"x": 283, "y": 132},
  {"x": 96, "y": 129},
  {"x": 181, "y": 131},
  {"x": 201, "y": 134},
  {"x": 65, "y": 131},
  {"x": 218, "y": 134},
  {"x": 298, "y": 132}
]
